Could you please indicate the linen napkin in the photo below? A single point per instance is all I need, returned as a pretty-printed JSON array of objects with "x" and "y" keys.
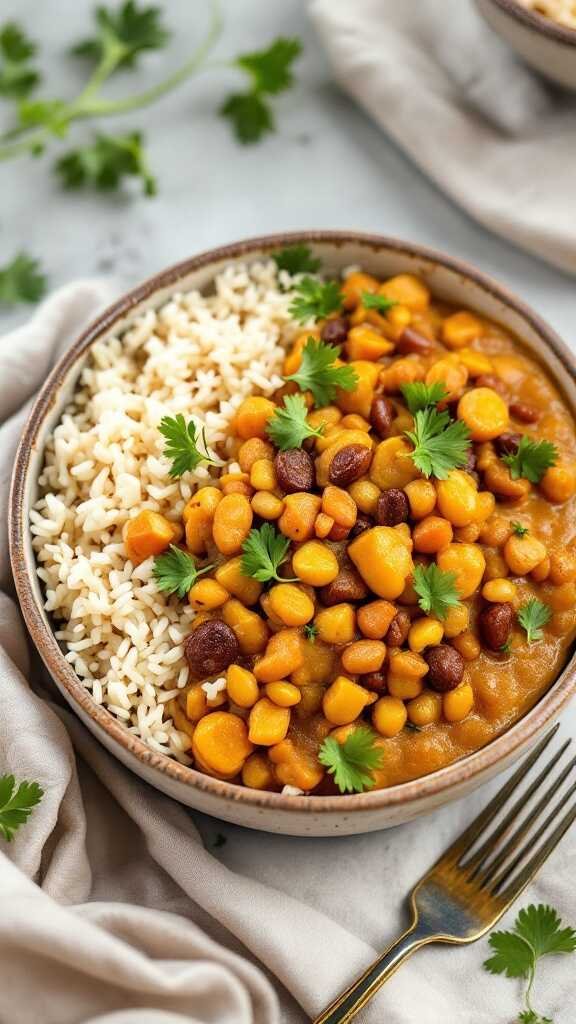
[
  {"x": 480, "y": 124},
  {"x": 114, "y": 911}
]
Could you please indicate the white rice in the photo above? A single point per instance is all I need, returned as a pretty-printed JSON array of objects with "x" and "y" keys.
[
  {"x": 561, "y": 11},
  {"x": 197, "y": 355}
]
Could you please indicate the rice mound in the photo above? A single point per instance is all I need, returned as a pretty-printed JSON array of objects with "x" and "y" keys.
[{"x": 199, "y": 355}]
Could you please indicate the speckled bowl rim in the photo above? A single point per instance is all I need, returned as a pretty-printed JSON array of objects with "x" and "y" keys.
[
  {"x": 539, "y": 22},
  {"x": 460, "y": 771}
]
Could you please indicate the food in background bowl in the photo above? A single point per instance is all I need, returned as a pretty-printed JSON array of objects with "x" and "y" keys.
[
  {"x": 311, "y": 535},
  {"x": 563, "y": 12}
]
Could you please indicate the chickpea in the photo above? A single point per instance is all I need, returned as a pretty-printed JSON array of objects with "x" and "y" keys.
[
  {"x": 241, "y": 686},
  {"x": 495, "y": 531},
  {"x": 315, "y": 563},
  {"x": 327, "y": 416},
  {"x": 251, "y": 631},
  {"x": 365, "y": 494},
  {"x": 365, "y": 343},
  {"x": 221, "y": 743},
  {"x": 336, "y": 625},
  {"x": 363, "y": 656},
  {"x": 562, "y": 567},
  {"x": 252, "y": 416},
  {"x": 457, "y": 620},
  {"x": 196, "y": 703},
  {"x": 257, "y": 772},
  {"x": 432, "y": 534},
  {"x": 523, "y": 554},
  {"x": 383, "y": 560},
  {"x": 268, "y": 723},
  {"x": 457, "y": 498},
  {"x": 232, "y": 523},
  {"x": 559, "y": 483},
  {"x": 344, "y": 700},
  {"x": 291, "y": 604},
  {"x": 284, "y": 694},
  {"x": 467, "y": 645},
  {"x": 375, "y": 618},
  {"x": 426, "y": 709},
  {"x": 425, "y": 632},
  {"x": 338, "y": 504},
  {"x": 392, "y": 465},
  {"x": 294, "y": 766},
  {"x": 542, "y": 571},
  {"x": 469, "y": 534},
  {"x": 451, "y": 373},
  {"x": 323, "y": 525},
  {"x": 267, "y": 505},
  {"x": 421, "y": 495},
  {"x": 468, "y": 562},
  {"x": 499, "y": 591},
  {"x": 485, "y": 505},
  {"x": 407, "y": 290},
  {"x": 484, "y": 412},
  {"x": 389, "y": 716},
  {"x": 355, "y": 422},
  {"x": 207, "y": 594},
  {"x": 461, "y": 329},
  {"x": 408, "y": 664},
  {"x": 458, "y": 703},
  {"x": 231, "y": 577},
  {"x": 254, "y": 450},
  {"x": 360, "y": 399},
  {"x": 475, "y": 362},
  {"x": 263, "y": 475},
  {"x": 284, "y": 654},
  {"x": 402, "y": 371},
  {"x": 299, "y": 515},
  {"x": 206, "y": 498}
]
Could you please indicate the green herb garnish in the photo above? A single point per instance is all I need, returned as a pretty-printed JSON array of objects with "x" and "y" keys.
[
  {"x": 263, "y": 552},
  {"x": 270, "y": 72},
  {"x": 16, "y": 804},
  {"x": 381, "y": 303},
  {"x": 319, "y": 374},
  {"x": 296, "y": 259},
  {"x": 419, "y": 395},
  {"x": 518, "y": 528},
  {"x": 17, "y": 77},
  {"x": 175, "y": 572},
  {"x": 288, "y": 427},
  {"x": 21, "y": 280},
  {"x": 311, "y": 632},
  {"x": 440, "y": 445},
  {"x": 134, "y": 30},
  {"x": 315, "y": 300},
  {"x": 182, "y": 444},
  {"x": 537, "y": 932},
  {"x": 532, "y": 616},
  {"x": 105, "y": 162},
  {"x": 436, "y": 589},
  {"x": 353, "y": 761},
  {"x": 531, "y": 460}
]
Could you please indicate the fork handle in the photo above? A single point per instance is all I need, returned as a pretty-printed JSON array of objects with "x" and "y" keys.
[{"x": 354, "y": 998}]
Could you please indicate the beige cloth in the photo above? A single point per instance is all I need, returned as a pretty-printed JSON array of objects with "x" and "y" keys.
[
  {"x": 451, "y": 94},
  {"x": 113, "y": 911}
]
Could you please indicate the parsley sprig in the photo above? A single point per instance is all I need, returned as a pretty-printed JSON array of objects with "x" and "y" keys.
[
  {"x": 134, "y": 30},
  {"x": 21, "y": 280},
  {"x": 353, "y": 761},
  {"x": 176, "y": 572},
  {"x": 531, "y": 460},
  {"x": 315, "y": 300},
  {"x": 436, "y": 589},
  {"x": 105, "y": 162},
  {"x": 319, "y": 374},
  {"x": 440, "y": 444},
  {"x": 532, "y": 616},
  {"x": 16, "y": 804},
  {"x": 288, "y": 427},
  {"x": 311, "y": 632},
  {"x": 537, "y": 932},
  {"x": 17, "y": 76},
  {"x": 296, "y": 259},
  {"x": 374, "y": 300},
  {"x": 419, "y": 395},
  {"x": 270, "y": 72},
  {"x": 518, "y": 528},
  {"x": 182, "y": 444},
  {"x": 263, "y": 552}
]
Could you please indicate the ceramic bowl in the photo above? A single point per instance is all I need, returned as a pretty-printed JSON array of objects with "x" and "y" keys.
[
  {"x": 547, "y": 47},
  {"x": 292, "y": 815}
]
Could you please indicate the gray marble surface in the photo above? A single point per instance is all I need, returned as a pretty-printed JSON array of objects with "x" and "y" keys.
[{"x": 327, "y": 166}]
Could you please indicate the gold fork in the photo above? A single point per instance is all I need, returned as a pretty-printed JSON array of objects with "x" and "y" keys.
[{"x": 468, "y": 890}]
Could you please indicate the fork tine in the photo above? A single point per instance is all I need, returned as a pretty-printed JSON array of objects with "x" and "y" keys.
[
  {"x": 540, "y": 857},
  {"x": 479, "y": 858},
  {"x": 463, "y": 843}
]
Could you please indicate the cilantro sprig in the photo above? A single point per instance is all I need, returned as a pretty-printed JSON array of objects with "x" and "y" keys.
[
  {"x": 419, "y": 395},
  {"x": 311, "y": 632},
  {"x": 17, "y": 802},
  {"x": 374, "y": 300},
  {"x": 315, "y": 300},
  {"x": 288, "y": 427},
  {"x": 319, "y": 374},
  {"x": 134, "y": 30},
  {"x": 105, "y": 162},
  {"x": 440, "y": 444},
  {"x": 296, "y": 259},
  {"x": 263, "y": 552},
  {"x": 531, "y": 459},
  {"x": 537, "y": 932},
  {"x": 518, "y": 528},
  {"x": 176, "y": 572},
  {"x": 17, "y": 76},
  {"x": 21, "y": 280},
  {"x": 532, "y": 616},
  {"x": 353, "y": 761},
  {"x": 269, "y": 72},
  {"x": 182, "y": 444},
  {"x": 436, "y": 589}
]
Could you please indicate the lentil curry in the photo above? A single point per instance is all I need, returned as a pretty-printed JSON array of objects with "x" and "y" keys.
[{"x": 390, "y": 557}]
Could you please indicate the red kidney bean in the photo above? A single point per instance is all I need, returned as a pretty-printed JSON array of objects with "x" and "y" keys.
[
  {"x": 495, "y": 625},
  {"x": 381, "y": 415},
  {"x": 446, "y": 666},
  {"x": 348, "y": 586},
  {"x": 392, "y": 507},
  {"x": 362, "y": 523},
  {"x": 398, "y": 629},
  {"x": 349, "y": 464},
  {"x": 295, "y": 471},
  {"x": 374, "y": 681},
  {"x": 339, "y": 532},
  {"x": 210, "y": 649},
  {"x": 411, "y": 342},
  {"x": 524, "y": 412},
  {"x": 507, "y": 444},
  {"x": 335, "y": 331},
  {"x": 490, "y": 380}
]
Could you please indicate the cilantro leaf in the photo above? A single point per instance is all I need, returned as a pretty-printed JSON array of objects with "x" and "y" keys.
[
  {"x": 439, "y": 444},
  {"x": 531, "y": 460},
  {"x": 263, "y": 552},
  {"x": 182, "y": 444},
  {"x": 319, "y": 374},
  {"x": 16, "y": 804},
  {"x": 540, "y": 926},
  {"x": 129, "y": 29},
  {"x": 250, "y": 116},
  {"x": 518, "y": 528},
  {"x": 378, "y": 302},
  {"x": 270, "y": 69},
  {"x": 315, "y": 299},
  {"x": 532, "y": 616},
  {"x": 17, "y": 77},
  {"x": 288, "y": 427},
  {"x": 311, "y": 632},
  {"x": 512, "y": 955},
  {"x": 175, "y": 571},
  {"x": 296, "y": 259},
  {"x": 436, "y": 589},
  {"x": 21, "y": 280},
  {"x": 104, "y": 163},
  {"x": 419, "y": 395},
  {"x": 352, "y": 762}
]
